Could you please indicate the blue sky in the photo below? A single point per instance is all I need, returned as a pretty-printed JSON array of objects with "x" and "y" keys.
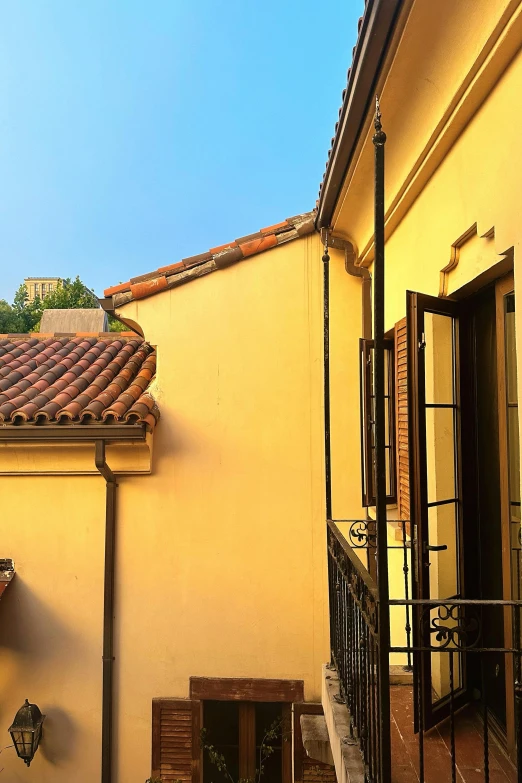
[{"x": 133, "y": 134}]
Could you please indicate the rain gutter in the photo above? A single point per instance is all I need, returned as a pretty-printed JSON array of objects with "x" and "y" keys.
[{"x": 377, "y": 26}]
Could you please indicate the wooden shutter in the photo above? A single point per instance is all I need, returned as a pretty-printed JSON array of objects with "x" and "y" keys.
[
  {"x": 401, "y": 397},
  {"x": 176, "y": 747},
  {"x": 307, "y": 770}
]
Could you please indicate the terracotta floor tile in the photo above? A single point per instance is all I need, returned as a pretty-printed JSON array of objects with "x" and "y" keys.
[
  {"x": 402, "y": 773},
  {"x": 437, "y": 756},
  {"x": 503, "y": 762},
  {"x": 437, "y": 761},
  {"x": 469, "y": 746},
  {"x": 477, "y": 776},
  {"x": 402, "y": 710}
]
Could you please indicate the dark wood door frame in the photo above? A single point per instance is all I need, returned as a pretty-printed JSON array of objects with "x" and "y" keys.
[
  {"x": 505, "y": 286},
  {"x": 416, "y": 303},
  {"x": 426, "y": 714}
]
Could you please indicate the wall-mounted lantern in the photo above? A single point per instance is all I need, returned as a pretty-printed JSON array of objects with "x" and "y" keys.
[{"x": 26, "y": 731}]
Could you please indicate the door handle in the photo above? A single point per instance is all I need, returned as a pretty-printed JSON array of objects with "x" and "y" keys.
[{"x": 440, "y": 548}]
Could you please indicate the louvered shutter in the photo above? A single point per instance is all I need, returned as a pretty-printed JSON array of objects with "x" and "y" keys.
[
  {"x": 176, "y": 747},
  {"x": 401, "y": 397}
]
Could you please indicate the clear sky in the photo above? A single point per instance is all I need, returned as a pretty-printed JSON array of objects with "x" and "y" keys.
[{"x": 134, "y": 133}]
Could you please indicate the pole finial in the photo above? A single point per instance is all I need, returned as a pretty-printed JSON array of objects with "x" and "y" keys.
[
  {"x": 326, "y": 254},
  {"x": 379, "y": 137}
]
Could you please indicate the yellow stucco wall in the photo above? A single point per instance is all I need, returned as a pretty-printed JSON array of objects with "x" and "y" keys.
[
  {"x": 233, "y": 537},
  {"x": 476, "y": 183},
  {"x": 221, "y": 554},
  {"x": 51, "y": 622}
]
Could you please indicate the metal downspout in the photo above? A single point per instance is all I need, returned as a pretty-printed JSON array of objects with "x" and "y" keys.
[
  {"x": 364, "y": 275},
  {"x": 326, "y": 357},
  {"x": 108, "y": 610},
  {"x": 350, "y": 254}
]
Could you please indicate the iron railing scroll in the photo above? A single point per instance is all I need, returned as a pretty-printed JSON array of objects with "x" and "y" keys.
[{"x": 454, "y": 630}]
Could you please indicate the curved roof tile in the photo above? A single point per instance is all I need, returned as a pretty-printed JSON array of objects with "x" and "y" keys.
[{"x": 64, "y": 379}]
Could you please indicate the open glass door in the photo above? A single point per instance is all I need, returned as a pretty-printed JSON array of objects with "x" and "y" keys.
[{"x": 436, "y": 495}]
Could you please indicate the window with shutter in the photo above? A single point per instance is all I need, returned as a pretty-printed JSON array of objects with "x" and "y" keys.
[
  {"x": 401, "y": 395},
  {"x": 368, "y": 423},
  {"x": 176, "y": 747}
]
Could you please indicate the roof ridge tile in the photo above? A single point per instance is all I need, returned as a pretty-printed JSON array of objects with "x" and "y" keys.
[{"x": 218, "y": 257}]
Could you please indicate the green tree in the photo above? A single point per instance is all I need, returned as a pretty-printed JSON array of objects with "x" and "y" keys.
[
  {"x": 27, "y": 313},
  {"x": 25, "y": 316},
  {"x": 9, "y": 320},
  {"x": 70, "y": 293}
]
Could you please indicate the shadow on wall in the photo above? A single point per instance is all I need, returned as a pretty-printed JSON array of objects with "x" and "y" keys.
[
  {"x": 59, "y": 738},
  {"x": 31, "y": 635},
  {"x": 29, "y": 627}
]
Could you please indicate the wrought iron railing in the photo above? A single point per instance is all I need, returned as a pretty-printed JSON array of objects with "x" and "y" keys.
[
  {"x": 454, "y": 631},
  {"x": 452, "y": 636},
  {"x": 355, "y": 646}
]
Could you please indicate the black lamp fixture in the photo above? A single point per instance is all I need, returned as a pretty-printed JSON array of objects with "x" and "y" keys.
[{"x": 26, "y": 731}]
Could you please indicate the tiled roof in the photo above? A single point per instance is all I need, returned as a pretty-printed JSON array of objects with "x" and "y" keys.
[
  {"x": 214, "y": 259},
  {"x": 76, "y": 379},
  {"x": 374, "y": 32},
  {"x": 344, "y": 95}
]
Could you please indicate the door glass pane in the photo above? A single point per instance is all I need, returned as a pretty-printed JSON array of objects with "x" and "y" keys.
[
  {"x": 440, "y": 454},
  {"x": 438, "y": 358},
  {"x": 442, "y": 528},
  {"x": 513, "y": 444},
  {"x": 444, "y": 583},
  {"x": 514, "y": 455}
]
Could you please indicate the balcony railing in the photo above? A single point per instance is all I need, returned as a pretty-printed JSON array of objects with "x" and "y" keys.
[
  {"x": 449, "y": 643},
  {"x": 354, "y": 645}
]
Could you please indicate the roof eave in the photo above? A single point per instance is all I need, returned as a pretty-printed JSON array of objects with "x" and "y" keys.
[{"x": 376, "y": 31}]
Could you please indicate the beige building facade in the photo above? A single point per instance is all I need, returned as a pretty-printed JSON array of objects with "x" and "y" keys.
[{"x": 40, "y": 286}]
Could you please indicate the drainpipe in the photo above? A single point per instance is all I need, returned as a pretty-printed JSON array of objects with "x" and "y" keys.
[
  {"x": 326, "y": 376},
  {"x": 108, "y": 610},
  {"x": 356, "y": 271},
  {"x": 350, "y": 254}
]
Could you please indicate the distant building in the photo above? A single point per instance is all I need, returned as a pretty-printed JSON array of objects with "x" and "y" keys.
[{"x": 40, "y": 286}]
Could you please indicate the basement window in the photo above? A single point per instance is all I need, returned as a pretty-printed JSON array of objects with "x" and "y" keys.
[
  {"x": 236, "y": 730},
  {"x": 368, "y": 423}
]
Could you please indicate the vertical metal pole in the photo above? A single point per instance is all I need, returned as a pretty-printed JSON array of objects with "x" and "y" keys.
[
  {"x": 326, "y": 335},
  {"x": 379, "y": 140}
]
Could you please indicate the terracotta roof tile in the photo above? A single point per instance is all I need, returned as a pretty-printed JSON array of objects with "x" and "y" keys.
[
  {"x": 216, "y": 258},
  {"x": 258, "y": 245},
  {"x": 195, "y": 260},
  {"x": 67, "y": 380},
  {"x": 276, "y": 228},
  {"x": 148, "y": 287}
]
